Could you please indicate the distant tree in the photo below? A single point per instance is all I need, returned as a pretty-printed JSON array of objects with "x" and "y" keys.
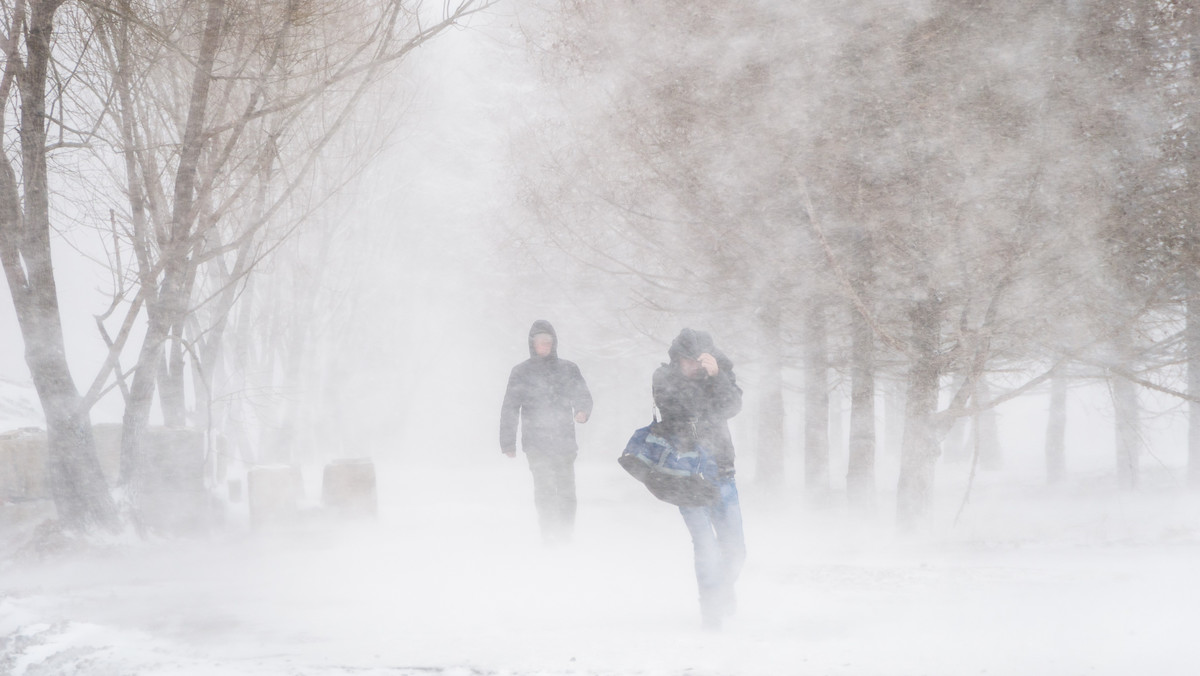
[
  {"x": 956, "y": 195},
  {"x": 1146, "y": 56},
  {"x": 679, "y": 174}
]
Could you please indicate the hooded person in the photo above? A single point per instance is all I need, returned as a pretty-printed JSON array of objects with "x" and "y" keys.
[
  {"x": 696, "y": 394},
  {"x": 547, "y": 395}
]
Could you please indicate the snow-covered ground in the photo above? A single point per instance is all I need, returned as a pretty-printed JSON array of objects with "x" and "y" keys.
[{"x": 451, "y": 579}]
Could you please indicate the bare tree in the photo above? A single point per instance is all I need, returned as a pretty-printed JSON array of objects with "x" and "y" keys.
[
  {"x": 932, "y": 199},
  {"x": 219, "y": 111},
  {"x": 77, "y": 484},
  {"x": 225, "y": 110}
]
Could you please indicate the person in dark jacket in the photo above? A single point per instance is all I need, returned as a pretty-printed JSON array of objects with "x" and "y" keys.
[
  {"x": 696, "y": 395},
  {"x": 549, "y": 396}
]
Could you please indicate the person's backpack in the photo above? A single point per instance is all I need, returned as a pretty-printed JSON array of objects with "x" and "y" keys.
[{"x": 672, "y": 472}]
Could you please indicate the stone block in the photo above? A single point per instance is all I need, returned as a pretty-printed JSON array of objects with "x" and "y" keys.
[
  {"x": 274, "y": 493},
  {"x": 23, "y": 465},
  {"x": 348, "y": 487},
  {"x": 171, "y": 496},
  {"x": 233, "y": 489}
]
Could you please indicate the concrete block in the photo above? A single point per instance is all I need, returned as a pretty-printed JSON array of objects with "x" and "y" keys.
[
  {"x": 274, "y": 492},
  {"x": 24, "y": 465},
  {"x": 171, "y": 496},
  {"x": 348, "y": 487},
  {"x": 234, "y": 490}
]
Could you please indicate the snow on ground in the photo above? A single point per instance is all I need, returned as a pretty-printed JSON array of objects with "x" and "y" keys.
[{"x": 452, "y": 579}]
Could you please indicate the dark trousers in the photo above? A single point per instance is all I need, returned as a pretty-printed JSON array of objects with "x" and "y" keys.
[{"x": 554, "y": 494}]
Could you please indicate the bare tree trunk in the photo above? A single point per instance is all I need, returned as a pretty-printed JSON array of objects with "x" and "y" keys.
[
  {"x": 988, "y": 434},
  {"x": 1127, "y": 416},
  {"x": 76, "y": 481},
  {"x": 167, "y": 308},
  {"x": 1190, "y": 27},
  {"x": 894, "y": 404},
  {"x": 770, "y": 467},
  {"x": 920, "y": 449},
  {"x": 860, "y": 471},
  {"x": 171, "y": 382},
  {"x": 1192, "y": 338},
  {"x": 1056, "y": 429},
  {"x": 837, "y": 420},
  {"x": 816, "y": 400},
  {"x": 958, "y": 446},
  {"x": 137, "y": 407}
]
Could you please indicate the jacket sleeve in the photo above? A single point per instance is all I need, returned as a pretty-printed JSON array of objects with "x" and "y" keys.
[
  {"x": 726, "y": 395},
  {"x": 581, "y": 397},
  {"x": 510, "y": 411}
]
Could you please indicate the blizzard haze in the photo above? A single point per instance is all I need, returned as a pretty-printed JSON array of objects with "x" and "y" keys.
[{"x": 624, "y": 173}]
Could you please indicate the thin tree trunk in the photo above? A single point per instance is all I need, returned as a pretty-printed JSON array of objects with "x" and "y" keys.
[
  {"x": 137, "y": 408},
  {"x": 988, "y": 434},
  {"x": 171, "y": 383},
  {"x": 1189, "y": 26},
  {"x": 920, "y": 448},
  {"x": 1056, "y": 430},
  {"x": 1192, "y": 332},
  {"x": 770, "y": 466},
  {"x": 860, "y": 471},
  {"x": 167, "y": 308},
  {"x": 894, "y": 404},
  {"x": 958, "y": 446},
  {"x": 837, "y": 421},
  {"x": 1127, "y": 416},
  {"x": 816, "y": 401}
]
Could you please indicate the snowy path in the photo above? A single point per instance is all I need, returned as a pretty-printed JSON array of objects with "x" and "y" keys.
[{"x": 458, "y": 584}]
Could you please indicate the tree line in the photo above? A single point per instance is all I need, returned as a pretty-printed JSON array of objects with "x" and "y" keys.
[{"x": 975, "y": 200}]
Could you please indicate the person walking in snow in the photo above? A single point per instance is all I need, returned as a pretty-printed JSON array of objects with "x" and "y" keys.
[
  {"x": 548, "y": 396},
  {"x": 696, "y": 394}
]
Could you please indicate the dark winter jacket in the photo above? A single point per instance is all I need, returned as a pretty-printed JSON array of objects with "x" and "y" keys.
[
  {"x": 698, "y": 408},
  {"x": 545, "y": 393}
]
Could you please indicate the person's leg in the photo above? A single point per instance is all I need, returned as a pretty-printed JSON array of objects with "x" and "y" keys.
[
  {"x": 562, "y": 498},
  {"x": 544, "y": 491},
  {"x": 567, "y": 502},
  {"x": 707, "y": 561},
  {"x": 727, "y": 524}
]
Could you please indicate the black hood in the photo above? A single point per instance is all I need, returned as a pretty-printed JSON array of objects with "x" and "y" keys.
[
  {"x": 690, "y": 343},
  {"x": 543, "y": 326}
]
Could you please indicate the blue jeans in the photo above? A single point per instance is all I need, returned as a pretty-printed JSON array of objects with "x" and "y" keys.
[{"x": 720, "y": 549}]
